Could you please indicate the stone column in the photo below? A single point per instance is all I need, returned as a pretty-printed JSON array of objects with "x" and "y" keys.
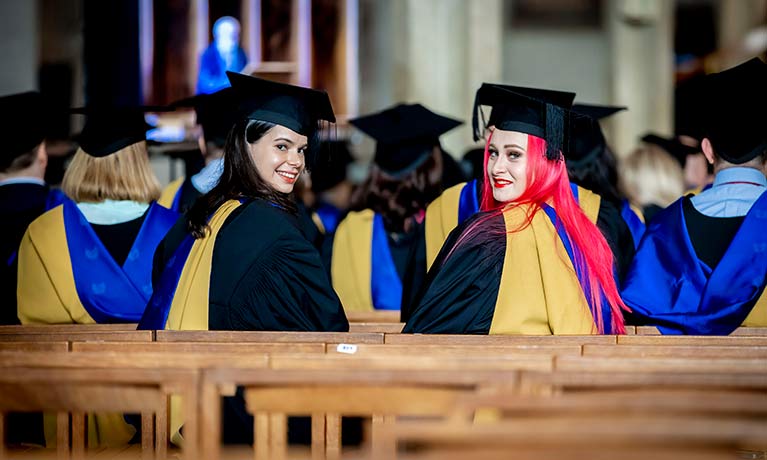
[
  {"x": 641, "y": 40},
  {"x": 19, "y": 45}
]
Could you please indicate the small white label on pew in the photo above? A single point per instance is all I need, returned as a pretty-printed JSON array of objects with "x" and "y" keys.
[{"x": 346, "y": 348}]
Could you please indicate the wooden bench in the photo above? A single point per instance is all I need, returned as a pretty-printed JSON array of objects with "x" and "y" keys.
[
  {"x": 115, "y": 336},
  {"x": 269, "y": 337},
  {"x": 747, "y": 331},
  {"x": 377, "y": 316},
  {"x": 677, "y": 351},
  {"x": 76, "y": 389},
  {"x": 388, "y": 328},
  {"x": 35, "y": 346},
  {"x": 484, "y": 340},
  {"x": 65, "y": 328},
  {"x": 730, "y": 340},
  {"x": 455, "y": 350}
]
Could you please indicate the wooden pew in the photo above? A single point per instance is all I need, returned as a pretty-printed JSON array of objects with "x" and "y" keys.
[
  {"x": 455, "y": 350},
  {"x": 65, "y": 328},
  {"x": 63, "y": 387},
  {"x": 661, "y": 364},
  {"x": 578, "y": 436},
  {"x": 35, "y": 346},
  {"x": 747, "y": 331},
  {"x": 269, "y": 337},
  {"x": 388, "y": 328},
  {"x": 114, "y": 336},
  {"x": 380, "y": 386},
  {"x": 199, "y": 347},
  {"x": 677, "y": 351},
  {"x": 730, "y": 340},
  {"x": 498, "y": 340},
  {"x": 377, "y": 316}
]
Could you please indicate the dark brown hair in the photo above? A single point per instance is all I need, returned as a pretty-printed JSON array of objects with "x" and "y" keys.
[
  {"x": 240, "y": 178},
  {"x": 397, "y": 199}
]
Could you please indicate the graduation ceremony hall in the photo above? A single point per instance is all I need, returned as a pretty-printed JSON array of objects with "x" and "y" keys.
[{"x": 383, "y": 229}]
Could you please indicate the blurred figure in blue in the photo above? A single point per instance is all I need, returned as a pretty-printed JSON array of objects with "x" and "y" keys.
[{"x": 223, "y": 54}]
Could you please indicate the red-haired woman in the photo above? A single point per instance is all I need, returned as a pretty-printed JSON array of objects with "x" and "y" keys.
[{"x": 533, "y": 262}]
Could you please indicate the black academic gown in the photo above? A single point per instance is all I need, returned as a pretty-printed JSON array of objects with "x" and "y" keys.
[
  {"x": 265, "y": 276},
  {"x": 189, "y": 195},
  {"x": 460, "y": 292}
]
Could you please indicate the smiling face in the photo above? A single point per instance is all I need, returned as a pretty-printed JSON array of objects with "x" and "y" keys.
[
  {"x": 507, "y": 164},
  {"x": 279, "y": 157}
]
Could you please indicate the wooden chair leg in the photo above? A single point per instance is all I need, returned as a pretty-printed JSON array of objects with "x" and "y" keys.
[
  {"x": 278, "y": 436},
  {"x": 191, "y": 427},
  {"x": 333, "y": 436},
  {"x": 210, "y": 421},
  {"x": 147, "y": 436},
  {"x": 79, "y": 435},
  {"x": 62, "y": 436},
  {"x": 383, "y": 446},
  {"x": 261, "y": 435},
  {"x": 318, "y": 436},
  {"x": 161, "y": 435},
  {"x": 3, "y": 452}
]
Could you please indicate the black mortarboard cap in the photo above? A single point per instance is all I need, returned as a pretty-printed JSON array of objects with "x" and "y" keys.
[
  {"x": 110, "y": 129},
  {"x": 294, "y": 107},
  {"x": 596, "y": 111},
  {"x": 24, "y": 126},
  {"x": 734, "y": 112},
  {"x": 546, "y": 117},
  {"x": 333, "y": 159},
  {"x": 586, "y": 136},
  {"x": 671, "y": 145},
  {"x": 216, "y": 113},
  {"x": 405, "y": 135}
]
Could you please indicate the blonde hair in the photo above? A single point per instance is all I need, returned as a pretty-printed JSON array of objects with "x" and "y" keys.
[
  {"x": 651, "y": 176},
  {"x": 123, "y": 175}
]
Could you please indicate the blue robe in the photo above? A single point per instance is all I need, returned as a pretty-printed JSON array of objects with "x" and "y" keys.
[{"x": 668, "y": 286}]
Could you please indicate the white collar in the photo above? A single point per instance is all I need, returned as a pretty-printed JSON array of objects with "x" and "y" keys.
[
  {"x": 110, "y": 212},
  {"x": 22, "y": 180}
]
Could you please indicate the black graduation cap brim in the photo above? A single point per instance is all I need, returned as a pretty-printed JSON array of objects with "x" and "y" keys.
[
  {"x": 24, "y": 124},
  {"x": 108, "y": 130},
  {"x": 734, "y": 104},
  {"x": 675, "y": 148},
  {"x": 405, "y": 136},
  {"x": 596, "y": 111},
  {"x": 294, "y": 107},
  {"x": 513, "y": 111}
]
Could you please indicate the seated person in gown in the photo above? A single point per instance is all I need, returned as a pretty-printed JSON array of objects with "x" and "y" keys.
[
  {"x": 378, "y": 255},
  {"x": 89, "y": 260},
  {"x": 215, "y": 114},
  {"x": 238, "y": 260},
  {"x": 702, "y": 267},
  {"x": 533, "y": 262}
]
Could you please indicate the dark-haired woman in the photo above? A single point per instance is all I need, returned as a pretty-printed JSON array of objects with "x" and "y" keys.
[
  {"x": 534, "y": 262},
  {"x": 379, "y": 256},
  {"x": 239, "y": 261}
]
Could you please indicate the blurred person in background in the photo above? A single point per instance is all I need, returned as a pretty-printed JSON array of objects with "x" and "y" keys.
[
  {"x": 378, "y": 256},
  {"x": 651, "y": 180},
  {"x": 224, "y": 54},
  {"x": 89, "y": 260},
  {"x": 701, "y": 267},
  {"x": 216, "y": 115}
]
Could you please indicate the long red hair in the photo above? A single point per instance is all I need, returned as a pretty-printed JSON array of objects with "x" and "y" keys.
[{"x": 548, "y": 183}]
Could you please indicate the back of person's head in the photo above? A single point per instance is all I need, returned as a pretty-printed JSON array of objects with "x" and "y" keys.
[
  {"x": 733, "y": 124},
  {"x": 397, "y": 199},
  {"x": 408, "y": 164},
  {"x": 650, "y": 176},
  {"x": 23, "y": 130},
  {"x": 600, "y": 175},
  {"x": 122, "y": 175}
]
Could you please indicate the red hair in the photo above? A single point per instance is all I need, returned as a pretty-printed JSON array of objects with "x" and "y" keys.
[{"x": 548, "y": 183}]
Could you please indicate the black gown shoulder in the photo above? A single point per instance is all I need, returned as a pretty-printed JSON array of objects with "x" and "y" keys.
[
  {"x": 618, "y": 235},
  {"x": 461, "y": 289},
  {"x": 265, "y": 275}
]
